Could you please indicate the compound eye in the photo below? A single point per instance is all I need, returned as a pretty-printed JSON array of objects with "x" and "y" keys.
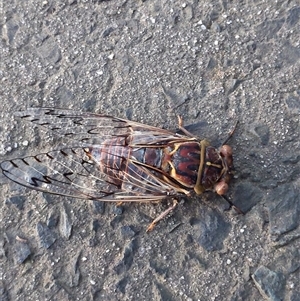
[
  {"x": 226, "y": 151},
  {"x": 221, "y": 188}
]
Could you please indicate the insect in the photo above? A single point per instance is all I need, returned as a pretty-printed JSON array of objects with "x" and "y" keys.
[{"x": 113, "y": 159}]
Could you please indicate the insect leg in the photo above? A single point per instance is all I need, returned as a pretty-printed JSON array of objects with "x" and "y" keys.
[
  {"x": 181, "y": 127},
  {"x": 238, "y": 210},
  {"x": 231, "y": 133},
  {"x": 161, "y": 216}
]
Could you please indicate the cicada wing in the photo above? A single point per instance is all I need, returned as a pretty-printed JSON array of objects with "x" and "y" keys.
[
  {"x": 62, "y": 172},
  {"x": 69, "y": 172},
  {"x": 85, "y": 129}
]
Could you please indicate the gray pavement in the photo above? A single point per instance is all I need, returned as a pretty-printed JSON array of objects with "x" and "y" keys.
[{"x": 212, "y": 62}]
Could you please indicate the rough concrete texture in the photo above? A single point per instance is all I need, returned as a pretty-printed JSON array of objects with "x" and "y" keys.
[{"x": 212, "y": 62}]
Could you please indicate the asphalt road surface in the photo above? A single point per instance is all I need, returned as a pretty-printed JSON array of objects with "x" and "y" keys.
[{"x": 211, "y": 62}]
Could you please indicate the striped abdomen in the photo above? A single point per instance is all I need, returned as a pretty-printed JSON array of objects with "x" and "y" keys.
[
  {"x": 111, "y": 157},
  {"x": 116, "y": 158}
]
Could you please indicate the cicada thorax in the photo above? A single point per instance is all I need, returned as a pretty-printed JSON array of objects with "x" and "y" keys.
[
  {"x": 196, "y": 165},
  {"x": 181, "y": 161}
]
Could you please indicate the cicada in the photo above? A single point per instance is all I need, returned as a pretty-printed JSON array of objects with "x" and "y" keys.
[{"x": 105, "y": 158}]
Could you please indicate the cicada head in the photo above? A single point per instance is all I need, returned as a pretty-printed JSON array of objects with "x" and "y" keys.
[
  {"x": 221, "y": 186},
  {"x": 217, "y": 170}
]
